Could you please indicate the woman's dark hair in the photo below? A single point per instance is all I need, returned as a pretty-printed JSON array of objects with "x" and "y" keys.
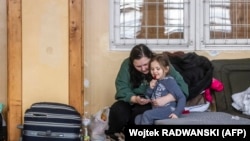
[{"x": 136, "y": 53}]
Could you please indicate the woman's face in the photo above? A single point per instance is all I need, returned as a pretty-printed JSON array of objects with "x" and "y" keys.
[{"x": 142, "y": 65}]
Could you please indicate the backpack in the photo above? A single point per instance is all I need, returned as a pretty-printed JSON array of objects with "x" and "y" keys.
[{"x": 196, "y": 70}]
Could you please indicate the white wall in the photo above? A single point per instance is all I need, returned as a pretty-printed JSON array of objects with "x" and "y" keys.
[{"x": 45, "y": 51}]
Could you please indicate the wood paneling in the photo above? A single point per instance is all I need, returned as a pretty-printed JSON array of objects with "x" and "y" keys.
[
  {"x": 75, "y": 55},
  {"x": 14, "y": 47}
]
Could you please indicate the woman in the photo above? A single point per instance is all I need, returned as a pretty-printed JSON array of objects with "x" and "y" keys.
[{"x": 131, "y": 84}]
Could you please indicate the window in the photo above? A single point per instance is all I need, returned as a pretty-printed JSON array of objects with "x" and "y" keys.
[{"x": 180, "y": 24}]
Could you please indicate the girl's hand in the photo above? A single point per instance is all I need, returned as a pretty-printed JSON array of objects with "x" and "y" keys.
[
  {"x": 153, "y": 83},
  {"x": 173, "y": 116}
]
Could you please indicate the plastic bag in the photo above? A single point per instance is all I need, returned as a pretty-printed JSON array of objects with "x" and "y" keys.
[{"x": 99, "y": 124}]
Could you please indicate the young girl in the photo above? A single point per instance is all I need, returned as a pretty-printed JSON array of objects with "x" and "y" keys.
[{"x": 162, "y": 85}]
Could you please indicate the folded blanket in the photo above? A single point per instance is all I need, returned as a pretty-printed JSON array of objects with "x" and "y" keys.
[
  {"x": 198, "y": 108},
  {"x": 241, "y": 101}
]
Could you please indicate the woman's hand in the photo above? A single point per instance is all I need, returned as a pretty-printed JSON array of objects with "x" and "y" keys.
[
  {"x": 161, "y": 101},
  {"x": 139, "y": 100}
]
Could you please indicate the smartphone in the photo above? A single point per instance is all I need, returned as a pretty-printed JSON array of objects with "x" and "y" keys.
[{"x": 143, "y": 96}]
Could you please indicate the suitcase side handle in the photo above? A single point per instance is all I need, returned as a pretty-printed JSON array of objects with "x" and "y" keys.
[
  {"x": 49, "y": 134},
  {"x": 40, "y": 115}
]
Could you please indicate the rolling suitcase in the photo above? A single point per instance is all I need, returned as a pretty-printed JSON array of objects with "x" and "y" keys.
[{"x": 50, "y": 121}]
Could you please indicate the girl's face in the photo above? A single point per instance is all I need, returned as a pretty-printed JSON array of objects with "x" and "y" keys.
[
  {"x": 158, "y": 71},
  {"x": 142, "y": 65}
]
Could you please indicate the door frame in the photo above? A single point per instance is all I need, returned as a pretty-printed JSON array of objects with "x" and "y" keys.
[{"x": 14, "y": 62}]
